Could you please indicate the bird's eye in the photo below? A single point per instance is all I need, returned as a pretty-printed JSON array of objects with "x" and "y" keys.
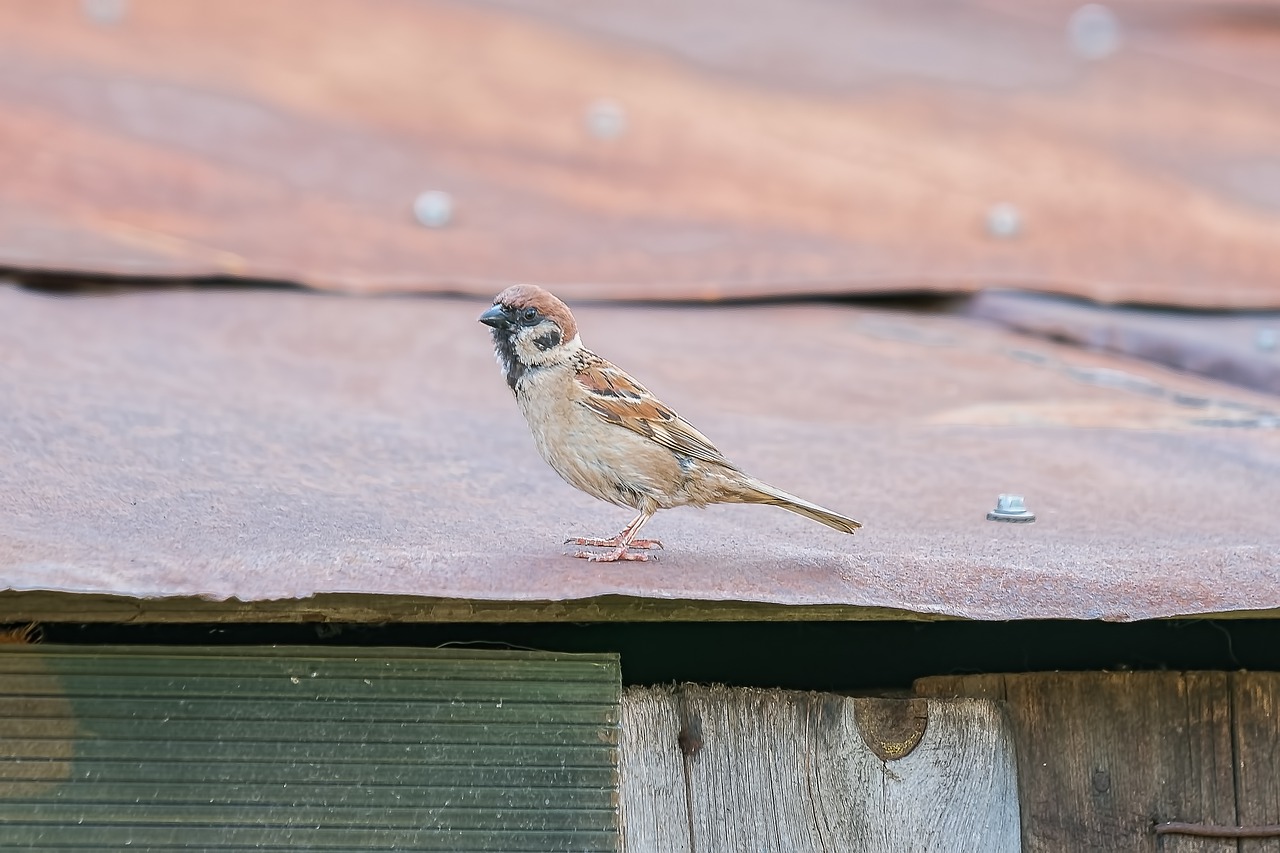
[{"x": 529, "y": 316}]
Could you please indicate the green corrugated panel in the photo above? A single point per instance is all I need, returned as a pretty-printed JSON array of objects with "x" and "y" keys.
[{"x": 145, "y": 748}]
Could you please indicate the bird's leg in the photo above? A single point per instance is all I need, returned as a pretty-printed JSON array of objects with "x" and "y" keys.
[
  {"x": 620, "y": 543},
  {"x": 625, "y": 538}
]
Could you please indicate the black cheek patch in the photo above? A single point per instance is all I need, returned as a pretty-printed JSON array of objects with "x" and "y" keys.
[{"x": 547, "y": 341}]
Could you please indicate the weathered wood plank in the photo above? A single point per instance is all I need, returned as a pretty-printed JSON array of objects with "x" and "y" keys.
[
  {"x": 1256, "y": 706},
  {"x": 957, "y": 790},
  {"x": 771, "y": 770},
  {"x": 654, "y": 807},
  {"x": 1104, "y": 757}
]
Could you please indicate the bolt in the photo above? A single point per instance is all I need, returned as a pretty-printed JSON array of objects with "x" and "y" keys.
[
  {"x": 606, "y": 119},
  {"x": 1004, "y": 220},
  {"x": 433, "y": 208},
  {"x": 1267, "y": 339},
  {"x": 1093, "y": 31},
  {"x": 1011, "y": 508},
  {"x": 103, "y": 11}
]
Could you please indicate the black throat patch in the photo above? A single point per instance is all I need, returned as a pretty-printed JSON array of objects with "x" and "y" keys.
[{"x": 505, "y": 347}]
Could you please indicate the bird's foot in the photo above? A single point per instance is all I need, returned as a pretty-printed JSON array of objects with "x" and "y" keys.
[
  {"x": 616, "y": 555},
  {"x": 614, "y": 542}
]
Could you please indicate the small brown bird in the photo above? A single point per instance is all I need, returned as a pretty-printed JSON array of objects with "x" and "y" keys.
[{"x": 604, "y": 433}]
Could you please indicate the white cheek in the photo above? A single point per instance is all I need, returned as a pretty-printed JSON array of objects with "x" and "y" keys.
[{"x": 533, "y": 355}]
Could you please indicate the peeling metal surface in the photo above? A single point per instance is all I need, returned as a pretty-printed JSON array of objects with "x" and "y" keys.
[
  {"x": 1240, "y": 348},
  {"x": 274, "y": 445},
  {"x": 760, "y": 149}
]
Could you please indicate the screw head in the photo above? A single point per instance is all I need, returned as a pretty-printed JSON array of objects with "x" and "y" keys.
[
  {"x": 433, "y": 208},
  {"x": 1011, "y": 508},
  {"x": 1004, "y": 221},
  {"x": 1093, "y": 31},
  {"x": 606, "y": 119},
  {"x": 104, "y": 11}
]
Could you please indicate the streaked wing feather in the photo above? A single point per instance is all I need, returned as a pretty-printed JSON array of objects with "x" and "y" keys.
[{"x": 618, "y": 399}]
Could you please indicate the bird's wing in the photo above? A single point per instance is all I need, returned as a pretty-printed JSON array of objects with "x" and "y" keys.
[{"x": 618, "y": 399}]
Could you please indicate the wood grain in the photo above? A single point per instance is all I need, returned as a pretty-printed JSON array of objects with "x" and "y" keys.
[
  {"x": 1103, "y": 757},
  {"x": 654, "y": 807},
  {"x": 771, "y": 770},
  {"x": 1255, "y": 701}
]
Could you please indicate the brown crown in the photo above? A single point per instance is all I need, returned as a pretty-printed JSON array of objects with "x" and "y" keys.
[{"x": 521, "y": 296}]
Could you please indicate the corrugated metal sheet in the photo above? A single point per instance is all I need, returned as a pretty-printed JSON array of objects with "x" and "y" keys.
[
  {"x": 275, "y": 445},
  {"x": 287, "y": 748},
  {"x": 766, "y": 147}
]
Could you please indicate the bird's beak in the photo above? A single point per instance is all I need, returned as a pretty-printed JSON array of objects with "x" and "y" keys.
[{"x": 497, "y": 316}]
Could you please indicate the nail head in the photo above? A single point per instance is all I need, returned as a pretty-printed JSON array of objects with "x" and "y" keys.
[
  {"x": 1093, "y": 31},
  {"x": 606, "y": 119},
  {"x": 1004, "y": 220},
  {"x": 433, "y": 208},
  {"x": 104, "y": 11}
]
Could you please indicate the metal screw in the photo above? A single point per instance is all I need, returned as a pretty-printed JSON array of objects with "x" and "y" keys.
[
  {"x": 1093, "y": 31},
  {"x": 433, "y": 208},
  {"x": 1011, "y": 508},
  {"x": 1004, "y": 220},
  {"x": 104, "y": 11},
  {"x": 1267, "y": 339},
  {"x": 606, "y": 119}
]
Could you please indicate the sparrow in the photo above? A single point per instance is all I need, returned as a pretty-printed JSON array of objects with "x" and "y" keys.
[{"x": 604, "y": 433}]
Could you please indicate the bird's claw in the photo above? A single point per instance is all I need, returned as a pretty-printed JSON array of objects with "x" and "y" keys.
[
  {"x": 618, "y": 555},
  {"x": 649, "y": 544}
]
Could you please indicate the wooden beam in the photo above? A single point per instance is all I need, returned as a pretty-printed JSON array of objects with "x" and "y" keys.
[
  {"x": 1103, "y": 757},
  {"x": 1255, "y": 708},
  {"x": 716, "y": 768}
]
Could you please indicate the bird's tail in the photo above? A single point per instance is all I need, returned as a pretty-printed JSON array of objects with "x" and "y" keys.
[{"x": 763, "y": 493}]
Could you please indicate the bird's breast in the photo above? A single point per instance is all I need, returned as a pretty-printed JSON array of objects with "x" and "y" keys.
[{"x": 604, "y": 460}]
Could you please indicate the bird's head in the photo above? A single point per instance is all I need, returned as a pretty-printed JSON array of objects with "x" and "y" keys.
[{"x": 531, "y": 329}]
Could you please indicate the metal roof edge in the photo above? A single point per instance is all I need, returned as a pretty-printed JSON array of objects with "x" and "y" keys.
[{"x": 50, "y": 606}]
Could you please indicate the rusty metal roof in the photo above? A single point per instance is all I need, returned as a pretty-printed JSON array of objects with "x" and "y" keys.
[
  {"x": 261, "y": 445},
  {"x": 1242, "y": 348},
  {"x": 623, "y": 150}
]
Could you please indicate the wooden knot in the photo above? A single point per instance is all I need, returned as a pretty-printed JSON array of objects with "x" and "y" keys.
[
  {"x": 891, "y": 728},
  {"x": 690, "y": 737}
]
